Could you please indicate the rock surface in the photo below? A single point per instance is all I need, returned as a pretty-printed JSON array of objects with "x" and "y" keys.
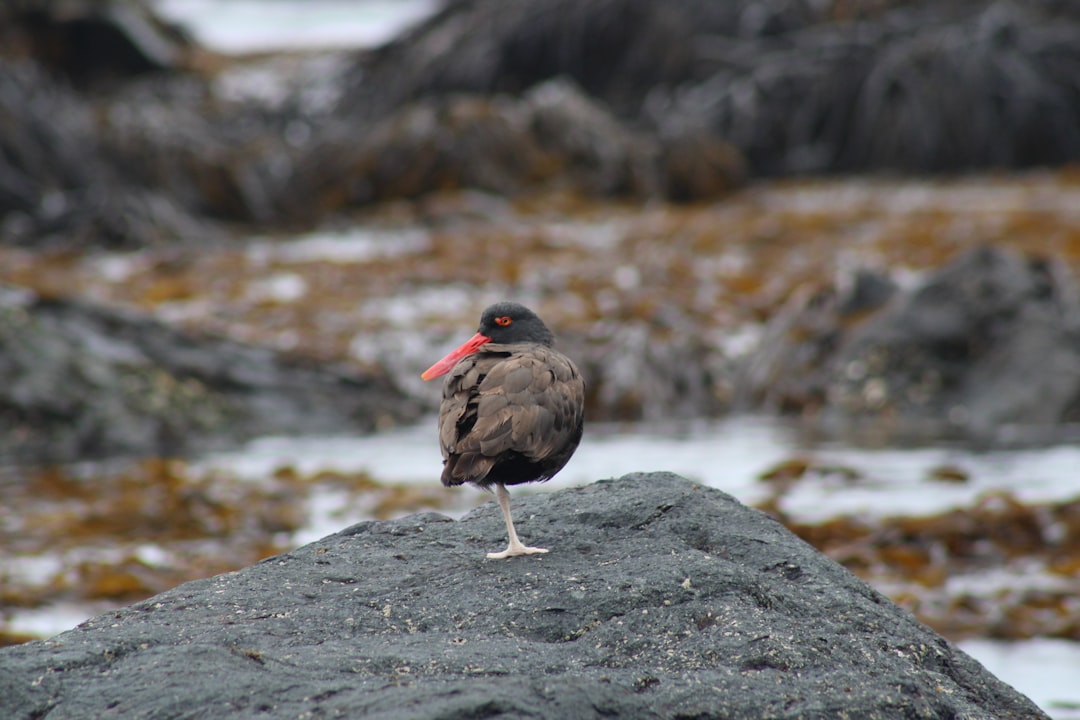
[
  {"x": 796, "y": 87},
  {"x": 84, "y": 381},
  {"x": 987, "y": 348},
  {"x": 553, "y": 135},
  {"x": 659, "y": 599},
  {"x": 119, "y": 130},
  {"x": 94, "y": 43}
]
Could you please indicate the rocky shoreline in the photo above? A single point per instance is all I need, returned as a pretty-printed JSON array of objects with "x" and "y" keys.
[
  {"x": 948, "y": 357},
  {"x": 111, "y": 111},
  {"x": 659, "y": 598},
  {"x": 167, "y": 288}
]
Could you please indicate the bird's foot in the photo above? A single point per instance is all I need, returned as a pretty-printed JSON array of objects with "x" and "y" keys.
[{"x": 514, "y": 551}]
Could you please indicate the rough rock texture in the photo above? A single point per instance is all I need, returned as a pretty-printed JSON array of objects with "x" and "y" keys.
[
  {"x": 118, "y": 131},
  {"x": 909, "y": 85},
  {"x": 987, "y": 347},
  {"x": 659, "y": 599},
  {"x": 59, "y": 185},
  {"x": 629, "y": 376},
  {"x": 93, "y": 42},
  {"x": 553, "y": 137},
  {"x": 83, "y": 381},
  {"x": 64, "y": 180},
  {"x": 478, "y": 142},
  {"x": 111, "y": 138}
]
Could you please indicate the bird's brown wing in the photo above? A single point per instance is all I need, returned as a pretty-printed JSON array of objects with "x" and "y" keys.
[{"x": 504, "y": 402}]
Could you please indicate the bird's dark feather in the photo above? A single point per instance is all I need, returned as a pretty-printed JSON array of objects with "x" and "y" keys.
[{"x": 510, "y": 414}]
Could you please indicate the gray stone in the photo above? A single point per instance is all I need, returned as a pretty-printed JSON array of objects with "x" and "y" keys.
[
  {"x": 795, "y": 87},
  {"x": 986, "y": 348},
  {"x": 82, "y": 381},
  {"x": 659, "y": 599}
]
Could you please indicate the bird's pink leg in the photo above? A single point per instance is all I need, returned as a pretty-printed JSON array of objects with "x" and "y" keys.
[{"x": 515, "y": 548}]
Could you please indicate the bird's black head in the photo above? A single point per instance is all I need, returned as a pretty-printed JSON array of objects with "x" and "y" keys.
[{"x": 510, "y": 322}]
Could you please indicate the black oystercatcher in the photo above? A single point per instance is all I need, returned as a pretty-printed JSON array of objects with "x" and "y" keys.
[{"x": 513, "y": 408}]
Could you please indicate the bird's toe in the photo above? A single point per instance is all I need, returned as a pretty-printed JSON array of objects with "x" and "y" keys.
[{"x": 515, "y": 551}]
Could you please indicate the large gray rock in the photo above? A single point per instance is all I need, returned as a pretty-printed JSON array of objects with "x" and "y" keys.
[
  {"x": 82, "y": 381},
  {"x": 986, "y": 348},
  {"x": 94, "y": 43},
  {"x": 659, "y": 599},
  {"x": 553, "y": 137},
  {"x": 795, "y": 87},
  {"x": 58, "y": 184}
]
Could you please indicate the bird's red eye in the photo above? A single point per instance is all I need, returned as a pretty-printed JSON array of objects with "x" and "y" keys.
[{"x": 504, "y": 320}]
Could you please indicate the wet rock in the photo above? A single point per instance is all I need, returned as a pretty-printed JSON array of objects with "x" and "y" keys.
[
  {"x": 917, "y": 89},
  {"x": 552, "y": 137},
  {"x": 597, "y": 154},
  {"x": 659, "y": 598},
  {"x": 794, "y": 87},
  {"x": 633, "y": 370},
  {"x": 102, "y": 101},
  {"x": 93, "y": 42},
  {"x": 219, "y": 159},
  {"x": 490, "y": 47},
  {"x": 791, "y": 368},
  {"x": 113, "y": 140},
  {"x": 461, "y": 142},
  {"x": 62, "y": 185},
  {"x": 986, "y": 348},
  {"x": 698, "y": 166},
  {"x": 618, "y": 51},
  {"x": 86, "y": 382}
]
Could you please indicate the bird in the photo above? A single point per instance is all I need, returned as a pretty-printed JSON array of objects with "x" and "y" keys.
[{"x": 512, "y": 410}]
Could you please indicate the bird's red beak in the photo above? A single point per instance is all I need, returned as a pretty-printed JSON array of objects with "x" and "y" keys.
[{"x": 447, "y": 363}]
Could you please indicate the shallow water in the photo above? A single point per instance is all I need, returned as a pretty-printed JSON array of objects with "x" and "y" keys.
[
  {"x": 1044, "y": 670},
  {"x": 240, "y": 26},
  {"x": 728, "y": 454}
]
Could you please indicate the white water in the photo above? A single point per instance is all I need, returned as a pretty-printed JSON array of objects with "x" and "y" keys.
[
  {"x": 1044, "y": 670},
  {"x": 241, "y": 26},
  {"x": 729, "y": 455}
]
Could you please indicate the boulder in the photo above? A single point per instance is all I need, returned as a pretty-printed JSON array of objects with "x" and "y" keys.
[
  {"x": 117, "y": 134},
  {"x": 94, "y": 43},
  {"x": 659, "y": 599},
  {"x": 935, "y": 87},
  {"x": 87, "y": 382},
  {"x": 795, "y": 87},
  {"x": 64, "y": 184},
  {"x": 986, "y": 348},
  {"x": 112, "y": 139},
  {"x": 552, "y": 137}
]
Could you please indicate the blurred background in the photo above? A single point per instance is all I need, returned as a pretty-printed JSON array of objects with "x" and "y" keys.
[{"x": 822, "y": 254}]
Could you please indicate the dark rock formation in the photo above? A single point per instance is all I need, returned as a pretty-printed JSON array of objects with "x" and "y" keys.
[
  {"x": 61, "y": 183},
  {"x": 103, "y": 114},
  {"x": 93, "y": 42},
  {"x": 986, "y": 348},
  {"x": 932, "y": 88},
  {"x": 659, "y": 599},
  {"x": 83, "y": 382},
  {"x": 112, "y": 139},
  {"x": 794, "y": 86},
  {"x": 629, "y": 375},
  {"x": 553, "y": 136},
  {"x": 616, "y": 50}
]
